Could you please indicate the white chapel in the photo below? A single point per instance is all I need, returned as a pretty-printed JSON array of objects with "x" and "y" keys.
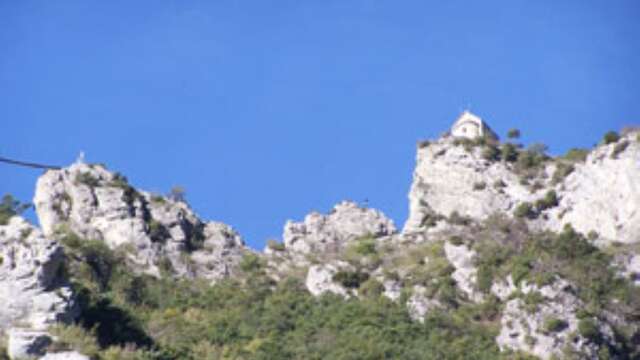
[{"x": 471, "y": 126}]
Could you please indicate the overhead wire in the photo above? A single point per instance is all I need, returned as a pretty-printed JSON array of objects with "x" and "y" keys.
[{"x": 28, "y": 164}]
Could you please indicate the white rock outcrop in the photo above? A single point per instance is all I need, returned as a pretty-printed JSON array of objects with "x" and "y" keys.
[
  {"x": 33, "y": 293},
  {"x": 67, "y": 355},
  {"x": 157, "y": 231},
  {"x": 465, "y": 274},
  {"x": 419, "y": 304},
  {"x": 601, "y": 194},
  {"x": 629, "y": 266},
  {"x": 320, "y": 279},
  {"x": 444, "y": 180},
  {"x": 546, "y": 329},
  {"x": 329, "y": 233},
  {"x": 27, "y": 344}
]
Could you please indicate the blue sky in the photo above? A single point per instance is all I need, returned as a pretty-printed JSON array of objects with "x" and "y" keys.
[{"x": 267, "y": 110}]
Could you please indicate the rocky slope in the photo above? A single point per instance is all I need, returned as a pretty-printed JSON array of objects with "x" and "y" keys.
[{"x": 541, "y": 253}]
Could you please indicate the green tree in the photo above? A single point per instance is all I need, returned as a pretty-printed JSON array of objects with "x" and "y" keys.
[
  {"x": 10, "y": 207},
  {"x": 513, "y": 134},
  {"x": 610, "y": 137}
]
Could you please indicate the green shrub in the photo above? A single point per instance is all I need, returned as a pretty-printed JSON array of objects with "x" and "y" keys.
[
  {"x": 119, "y": 181},
  {"x": 423, "y": 144},
  {"x": 480, "y": 185},
  {"x": 525, "y": 211},
  {"x": 251, "y": 263},
  {"x": 4, "y": 354},
  {"x": 365, "y": 246},
  {"x": 532, "y": 158},
  {"x": 456, "y": 240},
  {"x": 158, "y": 199},
  {"x": 457, "y": 219},
  {"x": 610, "y": 137},
  {"x": 513, "y": 134},
  {"x": 86, "y": 178},
  {"x": 509, "y": 152},
  {"x": 275, "y": 245},
  {"x": 619, "y": 148},
  {"x": 532, "y": 300},
  {"x": 431, "y": 219},
  {"x": 73, "y": 337},
  {"x": 10, "y": 207},
  {"x": 371, "y": 288},
  {"x": 549, "y": 201},
  {"x": 177, "y": 194},
  {"x": 350, "y": 279},
  {"x": 499, "y": 184},
  {"x": 576, "y": 155},
  {"x": 521, "y": 267},
  {"x": 562, "y": 171},
  {"x": 588, "y": 328},
  {"x": 552, "y": 324},
  {"x": 157, "y": 231},
  {"x": 491, "y": 153}
]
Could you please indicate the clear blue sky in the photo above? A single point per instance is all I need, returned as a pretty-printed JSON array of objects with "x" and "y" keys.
[{"x": 267, "y": 110}]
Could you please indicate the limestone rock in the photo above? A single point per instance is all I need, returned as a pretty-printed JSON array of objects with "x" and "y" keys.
[
  {"x": 629, "y": 264},
  {"x": 419, "y": 304},
  {"x": 32, "y": 292},
  {"x": 67, "y": 355},
  {"x": 26, "y": 344},
  {"x": 465, "y": 275},
  {"x": 603, "y": 194},
  {"x": 392, "y": 289},
  {"x": 551, "y": 327},
  {"x": 157, "y": 231},
  {"x": 320, "y": 279},
  {"x": 322, "y": 233},
  {"x": 444, "y": 181}
]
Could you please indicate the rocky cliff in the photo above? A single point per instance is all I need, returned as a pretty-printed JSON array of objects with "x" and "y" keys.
[
  {"x": 597, "y": 192},
  {"x": 157, "y": 232},
  {"x": 541, "y": 254}
]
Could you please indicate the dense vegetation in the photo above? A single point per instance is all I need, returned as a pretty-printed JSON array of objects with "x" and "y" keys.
[
  {"x": 251, "y": 317},
  {"x": 141, "y": 317}
]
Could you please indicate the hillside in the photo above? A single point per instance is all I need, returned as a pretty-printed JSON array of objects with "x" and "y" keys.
[{"x": 507, "y": 253}]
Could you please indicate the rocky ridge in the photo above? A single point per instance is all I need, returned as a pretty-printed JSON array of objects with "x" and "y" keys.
[
  {"x": 460, "y": 189},
  {"x": 599, "y": 194},
  {"x": 157, "y": 232}
]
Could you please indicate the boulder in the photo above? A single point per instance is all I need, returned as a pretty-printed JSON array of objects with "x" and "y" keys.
[
  {"x": 27, "y": 344},
  {"x": 328, "y": 233},
  {"x": 320, "y": 279}
]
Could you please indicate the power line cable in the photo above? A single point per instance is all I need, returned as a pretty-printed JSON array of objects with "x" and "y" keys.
[{"x": 28, "y": 164}]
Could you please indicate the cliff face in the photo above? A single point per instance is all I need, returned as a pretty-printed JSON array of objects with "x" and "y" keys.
[
  {"x": 602, "y": 195},
  {"x": 487, "y": 233},
  {"x": 449, "y": 178},
  {"x": 157, "y": 232},
  {"x": 599, "y": 195},
  {"x": 34, "y": 292}
]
